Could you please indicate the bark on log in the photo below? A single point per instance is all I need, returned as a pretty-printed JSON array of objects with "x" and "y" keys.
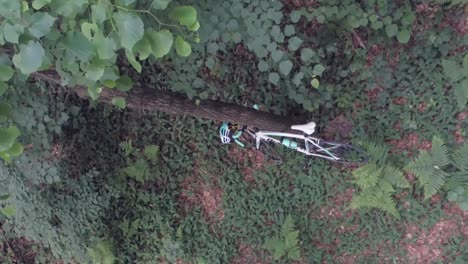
[{"x": 139, "y": 98}]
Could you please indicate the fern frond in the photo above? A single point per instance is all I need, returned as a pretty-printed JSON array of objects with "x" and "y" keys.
[
  {"x": 385, "y": 186},
  {"x": 377, "y": 200},
  {"x": 422, "y": 166},
  {"x": 451, "y": 2},
  {"x": 460, "y": 158},
  {"x": 461, "y": 93},
  {"x": 367, "y": 176},
  {"x": 102, "y": 253},
  {"x": 434, "y": 183},
  {"x": 459, "y": 178},
  {"x": 288, "y": 226},
  {"x": 439, "y": 153},
  {"x": 395, "y": 177},
  {"x": 452, "y": 70},
  {"x": 377, "y": 152}
]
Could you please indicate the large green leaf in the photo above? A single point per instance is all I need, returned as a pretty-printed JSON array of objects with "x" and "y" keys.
[
  {"x": 3, "y": 88},
  {"x": 77, "y": 45},
  {"x": 6, "y": 73},
  {"x": 185, "y": 15},
  {"x": 391, "y": 30},
  {"x": 40, "y": 24},
  {"x": 38, "y": 4},
  {"x": 8, "y": 137},
  {"x": 124, "y": 83},
  {"x": 119, "y": 102},
  {"x": 131, "y": 58},
  {"x": 294, "y": 43},
  {"x": 130, "y": 28},
  {"x": 183, "y": 48},
  {"x": 10, "y": 8},
  {"x": 285, "y": 67},
  {"x": 16, "y": 150},
  {"x": 99, "y": 12},
  {"x": 160, "y": 4},
  {"x": 68, "y": 8},
  {"x": 5, "y": 111},
  {"x": 403, "y": 36},
  {"x": 161, "y": 42},
  {"x": 143, "y": 48},
  {"x": 105, "y": 47},
  {"x": 11, "y": 32},
  {"x": 8, "y": 211},
  {"x": 95, "y": 71},
  {"x": 30, "y": 57}
]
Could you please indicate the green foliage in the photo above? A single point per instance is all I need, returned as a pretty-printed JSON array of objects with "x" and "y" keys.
[
  {"x": 102, "y": 252},
  {"x": 287, "y": 242},
  {"x": 429, "y": 168},
  {"x": 49, "y": 36},
  {"x": 378, "y": 181},
  {"x": 458, "y": 76}
]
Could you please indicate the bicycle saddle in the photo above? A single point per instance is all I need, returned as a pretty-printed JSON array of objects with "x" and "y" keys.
[{"x": 308, "y": 128}]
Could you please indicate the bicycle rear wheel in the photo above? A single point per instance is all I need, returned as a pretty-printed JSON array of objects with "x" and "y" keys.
[
  {"x": 344, "y": 153},
  {"x": 268, "y": 148}
]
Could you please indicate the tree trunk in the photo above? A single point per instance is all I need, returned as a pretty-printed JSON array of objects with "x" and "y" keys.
[{"x": 139, "y": 98}]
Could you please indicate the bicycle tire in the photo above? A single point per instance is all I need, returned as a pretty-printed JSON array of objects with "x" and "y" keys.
[{"x": 346, "y": 153}]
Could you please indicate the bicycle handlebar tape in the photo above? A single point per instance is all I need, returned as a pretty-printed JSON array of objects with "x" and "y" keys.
[{"x": 289, "y": 143}]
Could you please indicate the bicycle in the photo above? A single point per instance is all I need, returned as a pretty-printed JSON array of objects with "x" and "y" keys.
[{"x": 311, "y": 146}]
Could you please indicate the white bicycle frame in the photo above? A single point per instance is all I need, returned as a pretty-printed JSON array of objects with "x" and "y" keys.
[{"x": 309, "y": 142}]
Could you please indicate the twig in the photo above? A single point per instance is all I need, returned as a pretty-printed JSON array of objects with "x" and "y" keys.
[{"x": 358, "y": 38}]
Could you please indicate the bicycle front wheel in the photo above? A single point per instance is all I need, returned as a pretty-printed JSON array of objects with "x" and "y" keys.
[{"x": 339, "y": 152}]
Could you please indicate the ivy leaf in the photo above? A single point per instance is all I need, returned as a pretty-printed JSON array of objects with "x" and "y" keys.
[
  {"x": 318, "y": 69},
  {"x": 78, "y": 46},
  {"x": 273, "y": 77},
  {"x": 262, "y": 66},
  {"x": 294, "y": 43},
  {"x": 130, "y": 28},
  {"x": 285, "y": 67},
  {"x": 289, "y": 30},
  {"x": 38, "y": 4},
  {"x": 3, "y": 88},
  {"x": 6, "y": 73},
  {"x": 124, "y": 83},
  {"x": 131, "y": 58},
  {"x": 295, "y": 16},
  {"x": 182, "y": 47},
  {"x": 391, "y": 30},
  {"x": 403, "y": 36},
  {"x": 119, "y": 102},
  {"x": 30, "y": 58},
  {"x": 277, "y": 55},
  {"x": 185, "y": 15},
  {"x": 161, "y": 42},
  {"x": 40, "y": 24},
  {"x": 8, "y": 211},
  {"x": 307, "y": 54},
  {"x": 8, "y": 137},
  {"x": 298, "y": 78},
  {"x": 12, "y": 32},
  {"x": 160, "y": 4},
  {"x": 10, "y": 9}
]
